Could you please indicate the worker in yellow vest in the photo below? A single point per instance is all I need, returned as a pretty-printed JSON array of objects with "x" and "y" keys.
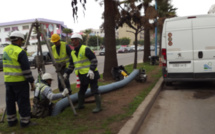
[
  {"x": 17, "y": 76},
  {"x": 84, "y": 62},
  {"x": 61, "y": 52}
]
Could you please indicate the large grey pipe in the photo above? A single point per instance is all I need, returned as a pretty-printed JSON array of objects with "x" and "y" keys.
[{"x": 63, "y": 103}]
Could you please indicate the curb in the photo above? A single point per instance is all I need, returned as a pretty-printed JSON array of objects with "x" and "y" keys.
[{"x": 132, "y": 125}]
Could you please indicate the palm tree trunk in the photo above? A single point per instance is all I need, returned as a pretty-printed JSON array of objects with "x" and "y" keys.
[
  {"x": 135, "y": 54},
  {"x": 110, "y": 42},
  {"x": 147, "y": 51}
]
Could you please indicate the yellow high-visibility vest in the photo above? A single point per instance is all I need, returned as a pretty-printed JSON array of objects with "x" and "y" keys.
[
  {"x": 11, "y": 67},
  {"x": 81, "y": 62},
  {"x": 62, "y": 57}
]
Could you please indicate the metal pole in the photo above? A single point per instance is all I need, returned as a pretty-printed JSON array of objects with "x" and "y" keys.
[
  {"x": 97, "y": 42},
  {"x": 3, "y": 116},
  {"x": 156, "y": 32}
]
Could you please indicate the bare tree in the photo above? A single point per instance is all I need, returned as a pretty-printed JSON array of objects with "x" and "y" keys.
[{"x": 131, "y": 15}]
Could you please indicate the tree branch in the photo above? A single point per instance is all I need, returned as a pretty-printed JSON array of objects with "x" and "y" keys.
[{"x": 130, "y": 31}]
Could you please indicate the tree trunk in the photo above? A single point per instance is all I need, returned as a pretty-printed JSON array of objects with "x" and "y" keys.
[
  {"x": 110, "y": 42},
  {"x": 135, "y": 54},
  {"x": 147, "y": 51}
]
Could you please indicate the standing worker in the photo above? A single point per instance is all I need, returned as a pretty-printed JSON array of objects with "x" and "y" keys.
[
  {"x": 43, "y": 96},
  {"x": 17, "y": 76},
  {"x": 84, "y": 61},
  {"x": 61, "y": 52}
]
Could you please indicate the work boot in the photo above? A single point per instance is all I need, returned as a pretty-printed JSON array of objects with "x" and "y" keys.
[
  {"x": 12, "y": 124},
  {"x": 80, "y": 102},
  {"x": 29, "y": 124},
  {"x": 98, "y": 104}
]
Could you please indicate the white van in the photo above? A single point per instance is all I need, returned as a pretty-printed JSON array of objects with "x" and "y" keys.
[{"x": 188, "y": 48}]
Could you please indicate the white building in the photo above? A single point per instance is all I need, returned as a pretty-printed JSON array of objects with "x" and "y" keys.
[
  {"x": 51, "y": 27},
  {"x": 212, "y": 10}
]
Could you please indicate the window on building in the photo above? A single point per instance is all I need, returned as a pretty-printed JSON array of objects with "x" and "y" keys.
[
  {"x": 33, "y": 37},
  {"x": 26, "y": 27},
  {"x": 7, "y": 39},
  {"x": 7, "y": 29},
  {"x": 15, "y": 29}
]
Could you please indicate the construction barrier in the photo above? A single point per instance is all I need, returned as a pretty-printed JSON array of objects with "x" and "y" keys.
[{"x": 77, "y": 82}]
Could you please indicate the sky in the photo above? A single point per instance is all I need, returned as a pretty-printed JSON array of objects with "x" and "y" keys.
[{"x": 60, "y": 10}]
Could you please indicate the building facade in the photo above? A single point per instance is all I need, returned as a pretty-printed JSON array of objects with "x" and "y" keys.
[
  {"x": 212, "y": 9},
  {"x": 126, "y": 31},
  {"x": 50, "y": 26}
]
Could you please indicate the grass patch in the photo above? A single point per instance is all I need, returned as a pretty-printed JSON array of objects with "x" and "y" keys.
[{"x": 66, "y": 122}]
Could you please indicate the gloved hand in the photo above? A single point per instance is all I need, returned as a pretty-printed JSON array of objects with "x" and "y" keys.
[
  {"x": 65, "y": 76},
  {"x": 32, "y": 87},
  {"x": 65, "y": 92},
  {"x": 90, "y": 74}
]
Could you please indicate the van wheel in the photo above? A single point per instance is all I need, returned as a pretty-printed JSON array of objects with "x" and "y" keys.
[{"x": 168, "y": 83}]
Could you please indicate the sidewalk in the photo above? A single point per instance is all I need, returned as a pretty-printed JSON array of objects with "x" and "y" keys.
[{"x": 132, "y": 126}]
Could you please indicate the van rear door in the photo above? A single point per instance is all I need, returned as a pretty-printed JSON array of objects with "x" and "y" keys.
[
  {"x": 204, "y": 47},
  {"x": 179, "y": 48}
]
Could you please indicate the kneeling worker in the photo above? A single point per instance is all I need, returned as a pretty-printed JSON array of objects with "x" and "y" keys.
[{"x": 43, "y": 96}]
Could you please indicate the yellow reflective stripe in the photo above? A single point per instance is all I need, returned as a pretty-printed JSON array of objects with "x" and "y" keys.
[
  {"x": 78, "y": 68},
  {"x": 13, "y": 74},
  {"x": 12, "y": 66},
  {"x": 64, "y": 58},
  {"x": 81, "y": 61}
]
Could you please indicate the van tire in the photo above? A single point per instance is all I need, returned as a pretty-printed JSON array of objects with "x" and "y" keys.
[{"x": 168, "y": 83}]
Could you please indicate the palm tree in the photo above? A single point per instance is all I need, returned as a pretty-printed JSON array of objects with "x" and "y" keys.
[
  {"x": 87, "y": 33},
  {"x": 147, "y": 52},
  {"x": 165, "y": 10},
  {"x": 67, "y": 31},
  {"x": 110, "y": 12}
]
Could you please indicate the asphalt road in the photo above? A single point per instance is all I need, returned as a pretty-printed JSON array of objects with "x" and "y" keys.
[
  {"x": 184, "y": 108},
  {"x": 123, "y": 59}
]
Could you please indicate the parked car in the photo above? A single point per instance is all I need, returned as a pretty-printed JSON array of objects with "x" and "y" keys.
[
  {"x": 152, "y": 48},
  {"x": 130, "y": 49},
  {"x": 122, "y": 50},
  {"x": 32, "y": 58},
  {"x": 140, "y": 48},
  {"x": 102, "y": 52}
]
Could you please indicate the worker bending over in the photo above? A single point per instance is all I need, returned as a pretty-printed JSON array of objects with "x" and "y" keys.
[
  {"x": 61, "y": 52},
  {"x": 43, "y": 96},
  {"x": 84, "y": 62}
]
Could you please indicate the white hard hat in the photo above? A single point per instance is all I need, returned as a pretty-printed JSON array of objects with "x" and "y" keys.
[
  {"x": 17, "y": 34},
  {"x": 47, "y": 76},
  {"x": 75, "y": 35}
]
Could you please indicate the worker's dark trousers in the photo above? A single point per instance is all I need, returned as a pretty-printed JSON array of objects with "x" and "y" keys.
[
  {"x": 18, "y": 93},
  {"x": 60, "y": 86},
  {"x": 85, "y": 81}
]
